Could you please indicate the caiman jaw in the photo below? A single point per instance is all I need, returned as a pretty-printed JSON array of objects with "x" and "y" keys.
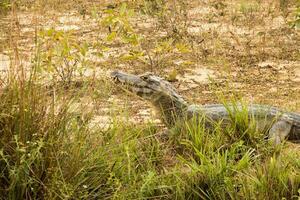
[
  {"x": 147, "y": 86},
  {"x": 130, "y": 83},
  {"x": 126, "y": 79}
]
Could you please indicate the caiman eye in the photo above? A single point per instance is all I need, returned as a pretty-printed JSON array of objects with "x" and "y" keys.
[{"x": 145, "y": 78}]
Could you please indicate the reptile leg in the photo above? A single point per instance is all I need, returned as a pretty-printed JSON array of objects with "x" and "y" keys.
[{"x": 279, "y": 131}]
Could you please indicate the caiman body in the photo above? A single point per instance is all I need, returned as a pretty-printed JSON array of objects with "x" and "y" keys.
[{"x": 173, "y": 108}]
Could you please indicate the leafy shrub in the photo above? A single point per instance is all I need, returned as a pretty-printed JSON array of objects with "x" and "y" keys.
[
  {"x": 118, "y": 23},
  {"x": 64, "y": 58}
]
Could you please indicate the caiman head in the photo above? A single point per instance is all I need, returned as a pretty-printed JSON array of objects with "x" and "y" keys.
[{"x": 155, "y": 90}]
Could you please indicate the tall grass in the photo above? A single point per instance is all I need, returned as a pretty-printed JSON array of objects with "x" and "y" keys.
[
  {"x": 236, "y": 162},
  {"x": 47, "y": 153}
]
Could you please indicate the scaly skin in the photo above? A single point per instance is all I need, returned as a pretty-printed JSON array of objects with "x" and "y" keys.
[{"x": 172, "y": 107}]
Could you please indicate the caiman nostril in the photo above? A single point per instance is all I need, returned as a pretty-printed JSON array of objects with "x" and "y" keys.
[{"x": 114, "y": 74}]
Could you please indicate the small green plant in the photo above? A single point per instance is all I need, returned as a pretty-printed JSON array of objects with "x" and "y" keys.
[
  {"x": 154, "y": 7},
  {"x": 157, "y": 57},
  {"x": 63, "y": 57},
  {"x": 160, "y": 55},
  {"x": 249, "y": 13},
  {"x": 283, "y": 5},
  {"x": 248, "y": 8},
  {"x": 118, "y": 23},
  {"x": 296, "y": 22},
  {"x": 5, "y": 6}
]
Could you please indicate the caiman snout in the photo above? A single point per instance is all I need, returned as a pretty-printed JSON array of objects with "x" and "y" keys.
[
  {"x": 114, "y": 76},
  {"x": 128, "y": 79}
]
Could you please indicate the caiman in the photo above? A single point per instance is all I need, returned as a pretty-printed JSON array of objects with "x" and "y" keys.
[{"x": 172, "y": 107}]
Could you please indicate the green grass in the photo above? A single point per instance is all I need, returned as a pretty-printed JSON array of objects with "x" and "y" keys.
[
  {"x": 46, "y": 153},
  {"x": 229, "y": 166}
]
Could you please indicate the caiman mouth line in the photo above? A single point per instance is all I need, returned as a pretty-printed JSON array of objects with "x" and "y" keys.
[
  {"x": 125, "y": 79},
  {"x": 128, "y": 82}
]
